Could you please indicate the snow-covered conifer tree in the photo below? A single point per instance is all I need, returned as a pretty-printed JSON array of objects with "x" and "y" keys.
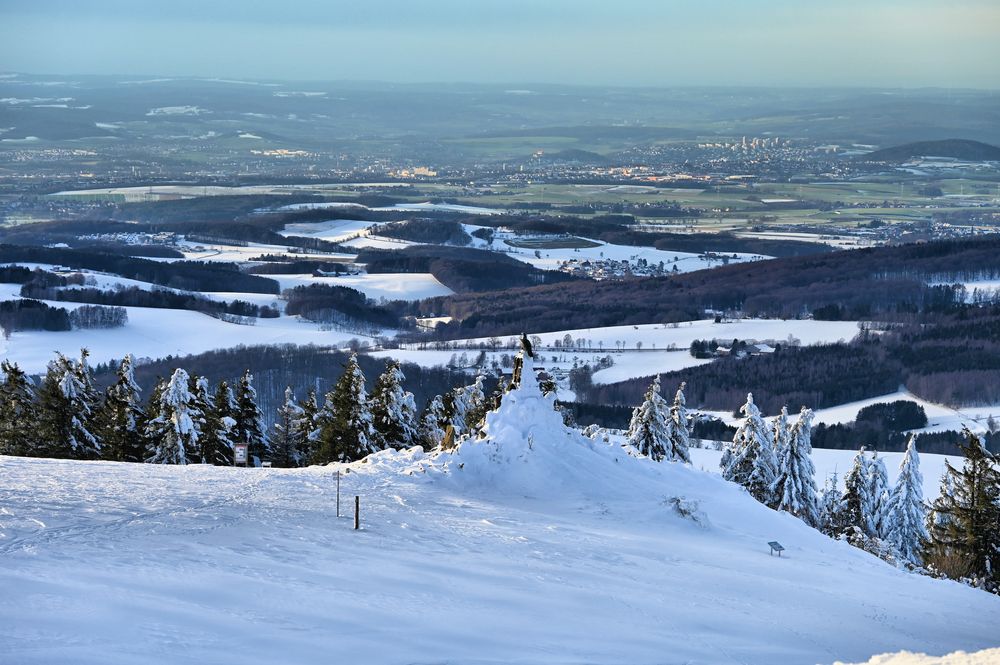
[
  {"x": 680, "y": 428},
  {"x": 216, "y": 438},
  {"x": 393, "y": 411},
  {"x": 879, "y": 494},
  {"x": 285, "y": 445},
  {"x": 67, "y": 401},
  {"x": 346, "y": 430},
  {"x": 858, "y": 502},
  {"x": 174, "y": 430},
  {"x": 432, "y": 423},
  {"x": 904, "y": 525},
  {"x": 249, "y": 428},
  {"x": 476, "y": 403},
  {"x": 782, "y": 431},
  {"x": 120, "y": 417},
  {"x": 649, "y": 431},
  {"x": 749, "y": 461},
  {"x": 306, "y": 427},
  {"x": 832, "y": 508},
  {"x": 456, "y": 404},
  {"x": 17, "y": 411},
  {"x": 795, "y": 487}
]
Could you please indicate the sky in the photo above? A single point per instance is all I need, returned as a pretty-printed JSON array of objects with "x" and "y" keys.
[{"x": 879, "y": 43}]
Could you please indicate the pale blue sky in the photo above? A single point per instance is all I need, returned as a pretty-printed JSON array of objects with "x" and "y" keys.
[{"x": 908, "y": 43}]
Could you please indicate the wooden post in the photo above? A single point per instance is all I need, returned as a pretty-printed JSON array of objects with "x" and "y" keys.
[
  {"x": 357, "y": 512},
  {"x": 338, "y": 493}
]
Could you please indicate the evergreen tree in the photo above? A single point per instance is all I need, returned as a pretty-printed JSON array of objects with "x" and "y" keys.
[
  {"x": 905, "y": 517},
  {"x": 306, "y": 427},
  {"x": 749, "y": 461},
  {"x": 249, "y": 427},
  {"x": 832, "y": 509},
  {"x": 17, "y": 411},
  {"x": 204, "y": 406},
  {"x": 680, "y": 428},
  {"x": 879, "y": 493},
  {"x": 965, "y": 540},
  {"x": 857, "y": 495},
  {"x": 217, "y": 435},
  {"x": 476, "y": 403},
  {"x": 121, "y": 416},
  {"x": 782, "y": 432},
  {"x": 286, "y": 447},
  {"x": 649, "y": 431},
  {"x": 346, "y": 430},
  {"x": 67, "y": 401},
  {"x": 174, "y": 430},
  {"x": 795, "y": 487},
  {"x": 393, "y": 411},
  {"x": 432, "y": 423},
  {"x": 456, "y": 404}
]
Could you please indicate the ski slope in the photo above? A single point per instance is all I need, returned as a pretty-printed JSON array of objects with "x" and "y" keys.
[{"x": 532, "y": 545}]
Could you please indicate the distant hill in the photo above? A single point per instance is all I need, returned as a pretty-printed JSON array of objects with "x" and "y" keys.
[{"x": 972, "y": 151}]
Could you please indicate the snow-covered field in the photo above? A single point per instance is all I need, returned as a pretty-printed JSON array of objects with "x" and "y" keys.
[
  {"x": 551, "y": 259},
  {"x": 664, "y": 346},
  {"x": 391, "y": 286},
  {"x": 532, "y": 546},
  {"x": 155, "y": 333},
  {"x": 334, "y": 230}
]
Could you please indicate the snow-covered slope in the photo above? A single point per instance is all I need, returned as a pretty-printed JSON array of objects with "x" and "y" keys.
[{"x": 531, "y": 545}]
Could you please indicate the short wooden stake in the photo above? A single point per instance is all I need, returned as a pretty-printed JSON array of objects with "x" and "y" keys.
[
  {"x": 338, "y": 494},
  {"x": 357, "y": 512}
]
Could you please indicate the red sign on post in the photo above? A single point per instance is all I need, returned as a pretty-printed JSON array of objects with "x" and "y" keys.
[{"x": 240, "y": 453}]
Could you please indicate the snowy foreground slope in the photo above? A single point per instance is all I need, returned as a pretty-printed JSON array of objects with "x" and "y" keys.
[{"x": 534, "y": 545}]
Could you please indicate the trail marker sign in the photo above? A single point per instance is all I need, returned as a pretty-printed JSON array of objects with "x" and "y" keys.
[{"x": 240, "y": 453}]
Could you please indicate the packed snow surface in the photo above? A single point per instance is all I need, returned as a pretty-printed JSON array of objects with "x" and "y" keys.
[{"x": 532, "y": 544}]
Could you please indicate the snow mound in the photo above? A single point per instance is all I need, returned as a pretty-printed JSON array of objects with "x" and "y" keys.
[
  {"x": 986, "y": 657},
  {"x": 525, "y": 448}
]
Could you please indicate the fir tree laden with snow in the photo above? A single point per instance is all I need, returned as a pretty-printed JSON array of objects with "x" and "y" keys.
[
  {"x": 121, "y": 416},
  {"x": 649, "y": 431},
  {"x": 749, "y": 461},
  {"x": 249, "y": 427},
  {"x": 216, "y": 437},
  {"x": 965, "y": 536},
  {"x": 680, "y": 428},
  {"x": 286, "y": 448},
  {"x": 904, "y": 525},
  {"x": 393, "y": 411},
  {"x": 794, "y": 488},
  {"x": 832, "y": 509},
  {"x": 879, "y": 493},
  {"x": 67, "y": 401},
  {"x": 433, "y": 423},
  {"x": 782, "y": 432},
  {"x": 858, "y": 502},
  {"x": 476, "y": 403},
  {"x": 346, "y": 430},
  {"x": 174, "y": 430},
  {"x": 305, "y": 428},
  {"x": 17, "y": 411}
]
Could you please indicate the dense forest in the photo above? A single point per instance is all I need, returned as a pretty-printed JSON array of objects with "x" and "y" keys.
[
  {"x": 462, "y": 269},
  {"x": 185, "y": 275},
  {"x": 276, "y": 367}
]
